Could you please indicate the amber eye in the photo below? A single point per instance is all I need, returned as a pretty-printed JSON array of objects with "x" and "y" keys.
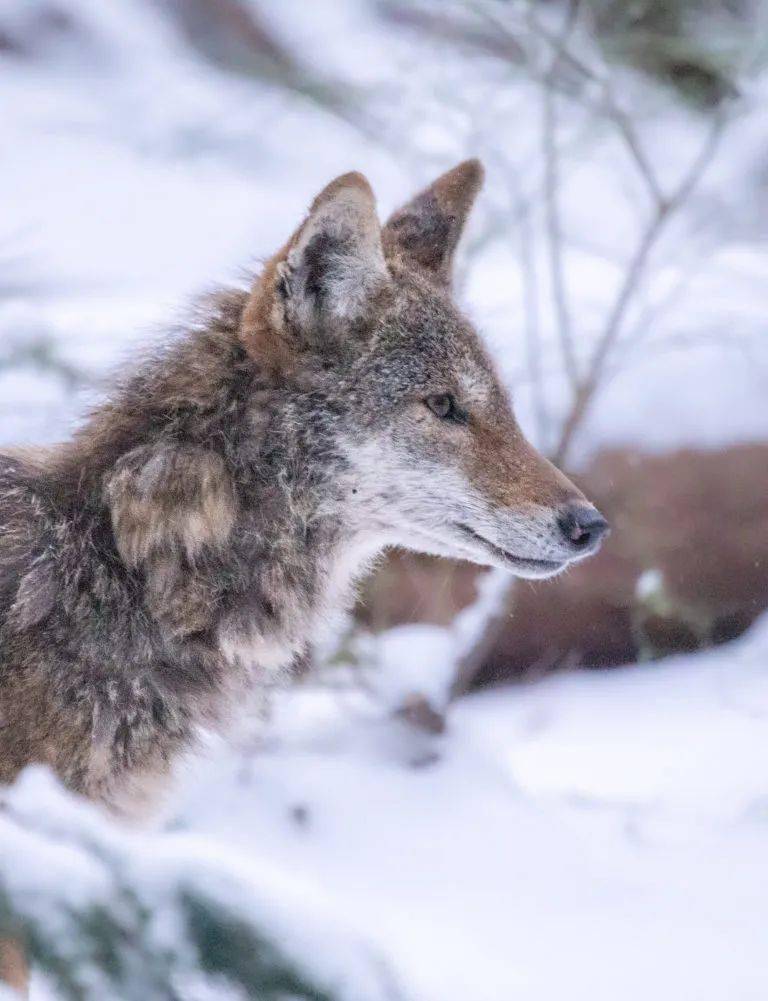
[{"x": 444, "y": 406}]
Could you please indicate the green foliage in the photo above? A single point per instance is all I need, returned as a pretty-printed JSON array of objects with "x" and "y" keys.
[
  {"x": 82, "y": 950},
  {"x": 229, "y": 947},
  {"x": 110, "y": 948}
]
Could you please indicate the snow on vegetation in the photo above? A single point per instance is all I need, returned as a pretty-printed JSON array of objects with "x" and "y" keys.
[
  {"x": 108, "y": 913},
  {"x": 602, "y": 835}
]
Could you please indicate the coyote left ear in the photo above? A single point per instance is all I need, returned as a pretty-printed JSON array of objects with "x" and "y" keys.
[
  {"x": 426, "y": 231},
  {"x": 320, "y": 286}
]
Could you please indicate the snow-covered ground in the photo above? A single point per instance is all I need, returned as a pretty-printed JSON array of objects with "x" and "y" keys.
[{"x": 596, "y": 836}]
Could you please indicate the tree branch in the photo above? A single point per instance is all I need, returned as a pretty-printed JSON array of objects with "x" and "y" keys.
[
  {"x": 552, "y": 210},
  {"x": 474, "y": 655},
  {"x": 633, "y": 275}
]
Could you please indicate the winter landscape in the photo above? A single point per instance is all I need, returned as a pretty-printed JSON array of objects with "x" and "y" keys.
[{"x": 414, "y": 819}]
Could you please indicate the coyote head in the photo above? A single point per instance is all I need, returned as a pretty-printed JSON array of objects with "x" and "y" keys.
[{"x": 360, "y": 319}]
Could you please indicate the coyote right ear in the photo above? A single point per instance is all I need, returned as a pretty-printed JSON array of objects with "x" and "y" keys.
[
  {"x": 426, "y": 231},
  {"x": 320, "y": 286}
]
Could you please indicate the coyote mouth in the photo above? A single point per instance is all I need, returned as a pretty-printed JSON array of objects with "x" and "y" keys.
[{"x": 539, "y": 566}]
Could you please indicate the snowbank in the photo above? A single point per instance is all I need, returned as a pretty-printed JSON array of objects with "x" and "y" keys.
[
  {"x": 595, "y": 836},
  {"x": 108, "y": 913}
]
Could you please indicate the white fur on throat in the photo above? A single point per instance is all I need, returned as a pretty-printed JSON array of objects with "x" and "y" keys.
[{"x": 271, "y": 656}]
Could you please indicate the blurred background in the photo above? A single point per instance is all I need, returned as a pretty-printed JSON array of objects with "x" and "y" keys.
[{"x": 459, "y": 778}]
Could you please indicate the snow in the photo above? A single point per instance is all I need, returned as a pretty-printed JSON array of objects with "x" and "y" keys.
[
  {"x": 600, "y": 835},
  {"x": 67, "y": 857},
  {"x": 123, "y": 204},
  {"x": 596, "y": 834}
]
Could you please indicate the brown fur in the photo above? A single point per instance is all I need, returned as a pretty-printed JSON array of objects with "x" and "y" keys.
[{"x": 185, "y": 494}]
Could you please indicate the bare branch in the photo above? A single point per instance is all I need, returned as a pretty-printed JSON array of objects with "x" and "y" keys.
[
  {"x": 551, "y": 203},
  {"x": 632, "y": 278},
  {"x": 626, "y": 129},
  {"x": 556, "y": 41},
  {"x": 562, "y": 56},
  {"x": 532, "y": 330},
  {"x": 700, "y": 164},
  {"x": 501, "y": 45},
  {"x": 565, "y": 75},
  {"x": 587, "y": 387}
]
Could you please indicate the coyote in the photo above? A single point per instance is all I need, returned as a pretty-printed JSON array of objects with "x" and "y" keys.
[{"x": 206, "y": 521}]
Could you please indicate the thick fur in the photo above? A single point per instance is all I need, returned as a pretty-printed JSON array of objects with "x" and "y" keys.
[{"x": 205, "y": 523}]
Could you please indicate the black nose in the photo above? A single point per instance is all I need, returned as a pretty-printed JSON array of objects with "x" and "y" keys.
[{"x": 582, "y": 525}]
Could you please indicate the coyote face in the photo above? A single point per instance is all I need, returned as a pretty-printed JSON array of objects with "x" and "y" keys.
[{"x": 435, "y": 459}]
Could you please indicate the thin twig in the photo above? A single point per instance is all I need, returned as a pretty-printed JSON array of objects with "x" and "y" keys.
[
  {"x": 646, "y": 320},
  {"x": 563, "y": 56},
  {"x": 556, "y": 41},
  {"x": 552, "y": 207},
  {"x": 626, "y": 129},
  {"x": 587, "y": 387},
  {"x": 610, "y": 108},
  {"x": 532, "y": 328},
  {"x": 633, "y": 275}
]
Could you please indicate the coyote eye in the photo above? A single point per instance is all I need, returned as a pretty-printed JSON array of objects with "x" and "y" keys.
[{"x": 444, "y": 406}]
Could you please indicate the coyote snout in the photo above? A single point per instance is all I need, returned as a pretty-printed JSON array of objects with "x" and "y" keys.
[
  {"x": 572, "y": 534},
  {"x": 542, "y": 523}
]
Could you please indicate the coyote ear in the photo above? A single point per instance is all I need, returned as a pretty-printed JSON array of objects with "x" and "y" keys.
[
  {"x": 426, "y": 231},
  {"x": 320, "y": 286}
]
